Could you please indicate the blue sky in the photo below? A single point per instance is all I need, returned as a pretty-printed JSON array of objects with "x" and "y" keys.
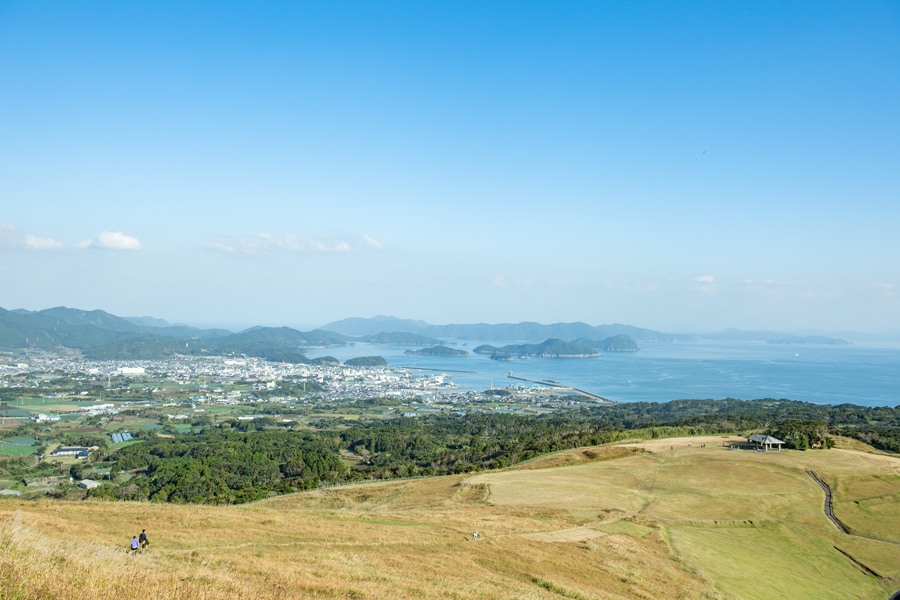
[{"x": 678, "y": 166}]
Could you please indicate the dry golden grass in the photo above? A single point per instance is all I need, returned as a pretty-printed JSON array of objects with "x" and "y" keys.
[
  {"x": 577, "y": 457},
  {"x": 619, "y": 522}
]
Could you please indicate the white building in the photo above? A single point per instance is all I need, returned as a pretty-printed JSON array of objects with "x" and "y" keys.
[{"x": 42, "y": 418}]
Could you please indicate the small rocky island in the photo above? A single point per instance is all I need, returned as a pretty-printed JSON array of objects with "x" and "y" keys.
[{"x": 438, "y": 351}]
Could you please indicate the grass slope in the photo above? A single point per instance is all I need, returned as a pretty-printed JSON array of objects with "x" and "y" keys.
[{"x": 651, "y": 520}]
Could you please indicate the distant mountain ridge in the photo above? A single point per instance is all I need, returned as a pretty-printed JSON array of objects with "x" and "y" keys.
[
  {"x": 515, "y": 332},
  {"x": 400, "y": 338},
  {"x": 102, "y": 336},
  {"x": 358, "y": 326}
]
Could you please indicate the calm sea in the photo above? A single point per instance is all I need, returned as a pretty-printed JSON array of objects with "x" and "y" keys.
[{"x": 868, "y": 375}]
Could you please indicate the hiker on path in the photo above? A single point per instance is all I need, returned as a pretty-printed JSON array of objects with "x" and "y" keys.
[
  {"x": 135, "y": 545},
  {"x": 142, "y": 539}
]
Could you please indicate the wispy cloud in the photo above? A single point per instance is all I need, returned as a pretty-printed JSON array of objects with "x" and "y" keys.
[
  {"x": 372, "y": 242},
  {"x": 328, "y": 246},
  {"x": 704, "y": 283},
  {"x": 10, "y": 237},
  {"x": 266, "y": 243},
  {"x": 502, "y": 281},
  {"x": 889, "y": 289},
  {"x": 112, "y": 240}
]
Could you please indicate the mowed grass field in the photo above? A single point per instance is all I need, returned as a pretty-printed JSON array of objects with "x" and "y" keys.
[{"x": 653, "y": 520}]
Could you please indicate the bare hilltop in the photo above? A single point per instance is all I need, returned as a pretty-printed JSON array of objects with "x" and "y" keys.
[{"x": 676, "y": 518}]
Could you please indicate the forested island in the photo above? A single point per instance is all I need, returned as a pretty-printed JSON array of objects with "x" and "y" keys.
[
  {"x": 616, "y": 343},
  {"x": 438, "y": 351},
  {"x": 546, "y": 349},
  {"x": 366, "y": 361}
]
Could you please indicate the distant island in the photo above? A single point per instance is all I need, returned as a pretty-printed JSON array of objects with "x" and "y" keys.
[
  {"x": 547, "y": 349},
  {"x": 526, "y": 331},
  {"x": 809, "y": 339},
  {"x": 400, "y": 338},
  {"x": 366, "y": 361},
  {"x": 438, "y": 351},
  {"x": 616, "y": 343},
  {"x": 555, "y": 348}
]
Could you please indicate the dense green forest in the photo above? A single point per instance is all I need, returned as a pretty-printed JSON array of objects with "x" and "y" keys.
[
  {"x": 224, "y": 467},
  {"x": 223, "y": 464}
]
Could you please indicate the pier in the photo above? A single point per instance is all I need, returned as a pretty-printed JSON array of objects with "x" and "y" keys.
[
  {"x": 436, "y": 370},
  {"x": 561, "y": 387}
]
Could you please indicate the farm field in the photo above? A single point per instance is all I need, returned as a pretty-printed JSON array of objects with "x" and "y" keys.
[{"x": 660, "y": 519}]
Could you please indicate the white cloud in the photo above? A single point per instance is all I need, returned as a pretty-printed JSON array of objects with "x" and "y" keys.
[
  {"x": 372, "y": 242},
  {"x": 11, "y": 238},
  {"x": 265, "y": 243},
  {"x": 38, "y": 243},
  {"x": 704, "y": 279},
  {"x": 112, "y": 240}
]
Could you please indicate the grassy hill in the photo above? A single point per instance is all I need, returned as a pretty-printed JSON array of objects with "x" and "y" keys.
[{"x": 654, "y": 520}]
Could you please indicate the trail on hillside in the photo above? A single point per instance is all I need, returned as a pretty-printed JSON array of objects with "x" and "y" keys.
[{"x": 829, "y": 511}]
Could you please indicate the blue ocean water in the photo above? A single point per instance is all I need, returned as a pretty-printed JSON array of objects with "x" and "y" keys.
[{"x": 867, "y": 375}]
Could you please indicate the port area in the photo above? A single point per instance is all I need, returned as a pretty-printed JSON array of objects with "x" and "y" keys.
[{"x": 560, "y": 387}]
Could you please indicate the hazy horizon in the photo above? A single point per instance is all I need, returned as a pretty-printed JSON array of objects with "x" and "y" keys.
[{"x": 673, "y": 166}]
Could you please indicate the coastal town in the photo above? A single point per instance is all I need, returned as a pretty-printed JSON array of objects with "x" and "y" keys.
[
  {"x": 45, "y": 387},
  {"x": 58, "y": 409}
]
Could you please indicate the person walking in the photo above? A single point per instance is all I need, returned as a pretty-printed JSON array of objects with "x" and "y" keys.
[
  {"x": 142, "y": 539},
  {"x": 135, "y": 544}
]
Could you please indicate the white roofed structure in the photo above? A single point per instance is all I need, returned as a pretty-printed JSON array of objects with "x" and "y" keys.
[{"x": 765, "y": 441}]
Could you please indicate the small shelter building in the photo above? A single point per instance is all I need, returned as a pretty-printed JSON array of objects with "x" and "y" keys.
[{"x": 765, "y": 442}]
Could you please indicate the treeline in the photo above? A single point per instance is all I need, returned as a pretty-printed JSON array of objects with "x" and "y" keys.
[
  {"x": 877, "y": 426},
  {"x": 223, "y": 467},
  {"x": 231, "y": 466},
  {"x": 443, "y": 444}
]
